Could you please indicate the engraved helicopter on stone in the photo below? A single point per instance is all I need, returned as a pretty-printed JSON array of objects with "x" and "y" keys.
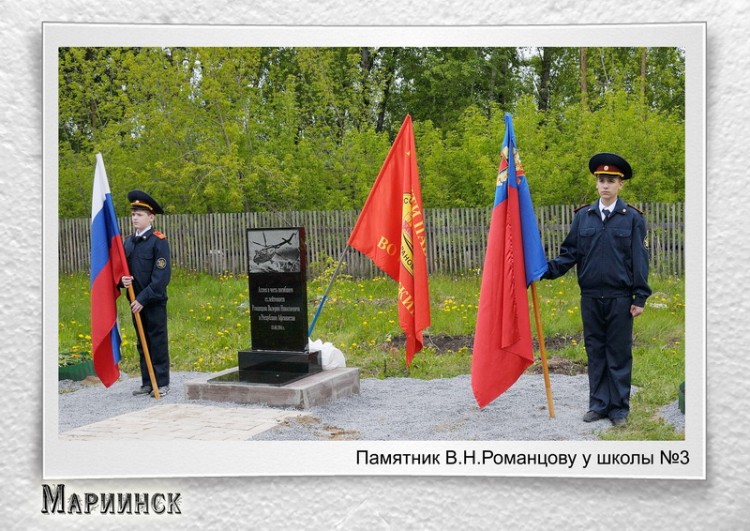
[{"x": 281, "y": 256}]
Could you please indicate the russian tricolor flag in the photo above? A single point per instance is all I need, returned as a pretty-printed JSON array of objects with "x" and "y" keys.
[{"x": 108, "y": 265}]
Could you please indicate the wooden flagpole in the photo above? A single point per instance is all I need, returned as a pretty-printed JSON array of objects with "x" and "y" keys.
[
  {"x": 144, "y": 344},
  {"x": 542, "y": 350}
]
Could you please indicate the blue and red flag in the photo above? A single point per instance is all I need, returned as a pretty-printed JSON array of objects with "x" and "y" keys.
[
  {"x": 108, "y": 265},
  {"x": 514, "y": 259}
]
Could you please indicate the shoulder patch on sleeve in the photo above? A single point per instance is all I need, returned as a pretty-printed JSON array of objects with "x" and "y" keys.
[
  {"x": 160, "y": 235},
  {"x": 639, "y": 211}
]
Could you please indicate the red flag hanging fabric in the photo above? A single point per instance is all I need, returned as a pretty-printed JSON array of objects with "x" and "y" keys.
[
  {"x": 108, "y": 265},
  {"x": 503, "y": 349},
  {"x": 391, "y": 231}
]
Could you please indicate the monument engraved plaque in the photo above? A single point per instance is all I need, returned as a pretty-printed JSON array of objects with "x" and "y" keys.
[
  {"x": 277, "y": 269},
  {"x": 278, "y": 289}
]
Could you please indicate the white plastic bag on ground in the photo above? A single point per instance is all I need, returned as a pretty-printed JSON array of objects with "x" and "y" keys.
[{"x": 330, "y": 356}]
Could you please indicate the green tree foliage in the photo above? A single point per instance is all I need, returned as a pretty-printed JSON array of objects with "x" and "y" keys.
[{"x": 256, "y": 129}]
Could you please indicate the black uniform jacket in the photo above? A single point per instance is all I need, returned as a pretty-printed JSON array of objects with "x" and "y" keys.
[
  {"x": 611, "y": 257},
  {"x": 150, "y": 266}
]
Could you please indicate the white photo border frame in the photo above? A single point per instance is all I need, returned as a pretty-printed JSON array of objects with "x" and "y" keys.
[{"x": 92, "y": 459}]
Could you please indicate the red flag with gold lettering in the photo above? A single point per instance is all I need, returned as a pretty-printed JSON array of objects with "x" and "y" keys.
[{"x": 390, "y": 230}]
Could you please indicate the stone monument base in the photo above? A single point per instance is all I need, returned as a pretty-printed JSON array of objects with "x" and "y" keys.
[
  {"x": 274, "y": 367},
  {"x": 309, "y": 391}
]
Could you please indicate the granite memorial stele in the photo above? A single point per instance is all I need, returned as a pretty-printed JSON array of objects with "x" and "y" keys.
[{"x": 277, "y": 271}]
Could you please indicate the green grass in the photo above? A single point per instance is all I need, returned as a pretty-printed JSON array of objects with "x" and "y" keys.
[{"x": 209, "y": 322}]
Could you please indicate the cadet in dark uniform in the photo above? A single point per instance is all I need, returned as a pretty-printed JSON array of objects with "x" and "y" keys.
[
  {"x": 147, "y": 252},
  {"x": 606, "y": 243}
]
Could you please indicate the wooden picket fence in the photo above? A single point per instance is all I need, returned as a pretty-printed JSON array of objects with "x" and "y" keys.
[{"x": 456, "y": 238}]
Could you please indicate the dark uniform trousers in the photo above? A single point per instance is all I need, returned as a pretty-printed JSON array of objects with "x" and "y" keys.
[
  {"x": 612, "y": 264},
  {"x": 608, "y": 336},
  {"x": 154, "y": 319}
]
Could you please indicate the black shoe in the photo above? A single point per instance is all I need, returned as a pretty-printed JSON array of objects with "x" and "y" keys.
[
  {"x": 619, "y": 421},
  {"x": 591, "y": 416},
  {"x": 163, "y": 391},
  {"x": 144, "y": 390}
]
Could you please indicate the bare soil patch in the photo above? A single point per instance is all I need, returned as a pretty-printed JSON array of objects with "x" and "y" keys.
[{"x": 444, "y": 343}]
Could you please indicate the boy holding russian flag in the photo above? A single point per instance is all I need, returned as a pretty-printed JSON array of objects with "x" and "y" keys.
[{"x": 147, "y": 252}]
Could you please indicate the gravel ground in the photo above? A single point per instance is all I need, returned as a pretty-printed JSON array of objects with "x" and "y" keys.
[{"x": 390, "y": 409}]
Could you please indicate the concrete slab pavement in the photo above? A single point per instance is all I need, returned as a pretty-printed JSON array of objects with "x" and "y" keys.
[{"x": 183, "y": 421}]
